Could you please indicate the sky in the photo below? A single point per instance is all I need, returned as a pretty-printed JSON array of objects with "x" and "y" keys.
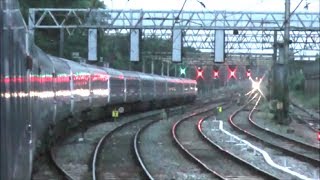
[{"x": 228, "y": 5}]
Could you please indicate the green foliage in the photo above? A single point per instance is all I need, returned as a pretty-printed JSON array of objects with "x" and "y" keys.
[
  {"x": 310, "y": 101},
  {"x": 296, "y": 81},
  {"x": 26, "y": 4},
  {"x": 318, "y": 57},
  {"x": 114, "y": 48},
  {"x": 48, "y": 39},
  {"x": 296, "y": 77}
]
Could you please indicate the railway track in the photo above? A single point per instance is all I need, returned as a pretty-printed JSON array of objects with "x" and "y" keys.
[
  {"x": 69, "y": 174},
  {"x": 111, "y": 157},
  {"x": 310, "y": 119},
  {"x": 304, "y": 149},
  {"x": 209, "y": 155},
  {"x": 91, "y": 144},
  {"x": 148, "y": 165},
  {"x": 138, "y": 152},
  {"x": 288, "y": 147},
  {"x": 62, "y": 172},
  {"x": 291, "y": 147}
]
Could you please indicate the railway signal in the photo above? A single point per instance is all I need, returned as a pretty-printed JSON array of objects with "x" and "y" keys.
[
  {"x": 199, "y": 73},
  {"x": 232, "y": 69},
  {"x": 215, "y": 72},
  {"x": 248, "y": 73},
  {"x": 319, "y": 136},
  {"x": 183, "y": 71}
]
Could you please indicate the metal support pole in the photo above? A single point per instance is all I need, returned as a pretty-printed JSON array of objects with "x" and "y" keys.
[
  {"x": 287, "y": 31},
  {"x": 274, "y": 56},
  {"x": 143, "y": 65},
  {"x": 274, "y": 62},
  {"x": 285, "y": 99},
  {"x": 31, "y": 23},
  {"x": 61, "y": 42},
  {"x": 162, "y": 65},
  {"x": 152, "y": 66},
  {"x": 168, "y": 68},
  {"x": 175, "y": 70}
]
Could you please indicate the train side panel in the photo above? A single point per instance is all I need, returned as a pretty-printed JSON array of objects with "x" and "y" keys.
[
  {"x": 98, "y": 83},
  {"x": 132, "y": 87},
  {"x": 116, "y": 86},
  {"x": 79, "y": 85},
  {"x": 147, "y": 87},
  {"x": 61, "y": 88}
]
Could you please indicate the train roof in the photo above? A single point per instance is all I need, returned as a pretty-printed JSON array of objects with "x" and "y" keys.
[
  {"x": 158, "y": 77},
  {"x": 113, "y": 73},
  {"x": 95, "y": 69},
  {"x": 145, "y": 76}
]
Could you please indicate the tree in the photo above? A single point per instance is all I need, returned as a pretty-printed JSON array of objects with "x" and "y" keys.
[
  {"x": 114, "y": 48},
  {"x": 48, "y": 39}
]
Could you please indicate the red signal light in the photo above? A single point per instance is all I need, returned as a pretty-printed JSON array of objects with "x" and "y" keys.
[
  {"x": 232, "y": 74},
  {"x": 199, "y": 73},
  {"x": 319, "y": 136},
  {"x": 215, "y": 74},
  {"x": 248, "y": 74}
]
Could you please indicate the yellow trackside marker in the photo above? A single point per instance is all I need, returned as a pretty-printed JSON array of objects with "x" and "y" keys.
[
  {"x": 219, "y": 109},
  {"x": 115, "y": 114}
]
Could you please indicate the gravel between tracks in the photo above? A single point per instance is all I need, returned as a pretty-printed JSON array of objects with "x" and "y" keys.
[
  {"x": 75, "y": 156},
  {"x": 211, "y": 156},
  {"x": 116, "y": 159},
  {"x": 164, "y": 158},
  {"x": 294, "y": 130}
]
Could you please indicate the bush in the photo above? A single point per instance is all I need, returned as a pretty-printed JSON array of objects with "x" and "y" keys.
[{"x": 296, "y": 81}]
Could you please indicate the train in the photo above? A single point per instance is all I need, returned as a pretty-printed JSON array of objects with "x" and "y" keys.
[
  {"x": 39, "y": 91},
  {"x": 82, "y": 86}
]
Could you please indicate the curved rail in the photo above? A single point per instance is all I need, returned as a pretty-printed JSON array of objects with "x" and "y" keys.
[
  {"x": 298, "y": 143},
  {"x": 138, "y": 134},
  {"x": 61, "y": 171},
  {"x": 239, "y": 159},
  {"x": 173, "y": 131},
  {"x": 98, "y": 146},
  {"x": 137, "y": 151},
  {"x": 290, "y": 152},
  {"x": 305, "y": 121}
]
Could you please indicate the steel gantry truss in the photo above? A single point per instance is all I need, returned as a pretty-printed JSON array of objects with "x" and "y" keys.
[{"x": 255, "y": 29}]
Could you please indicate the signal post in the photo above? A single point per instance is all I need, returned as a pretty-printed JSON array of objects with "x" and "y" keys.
[{"x": 279, "y": 88}]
